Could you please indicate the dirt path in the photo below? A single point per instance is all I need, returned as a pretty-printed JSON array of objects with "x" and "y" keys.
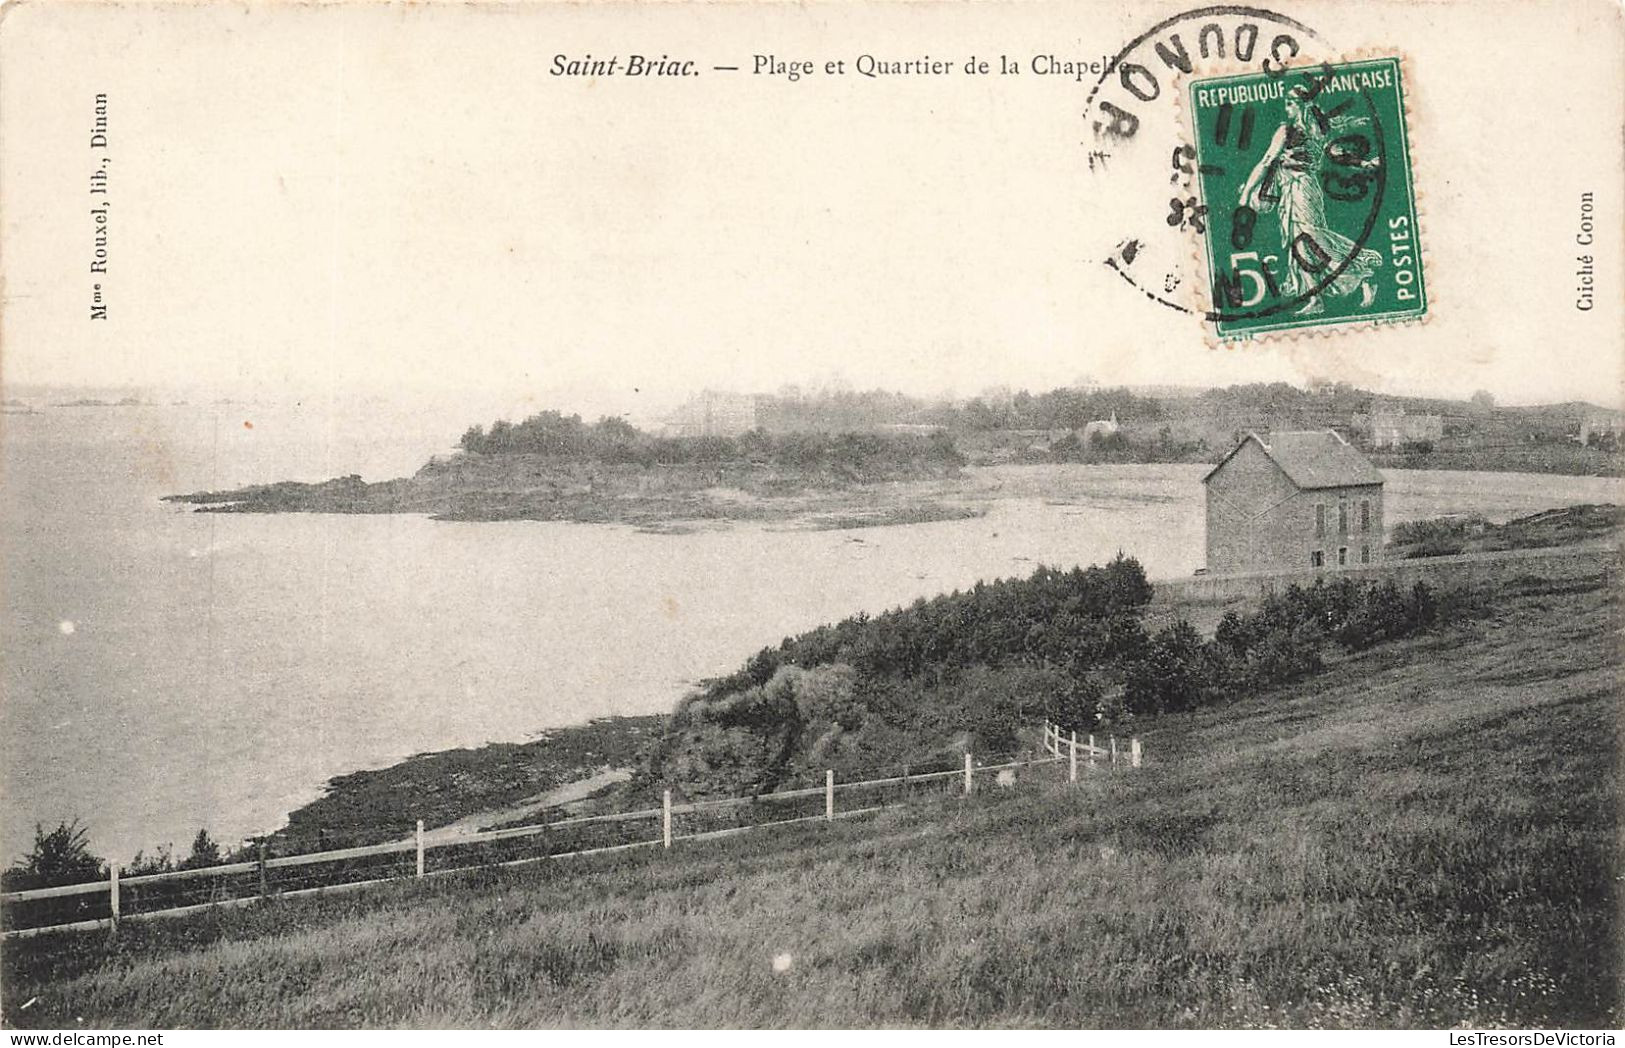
[{"x": 570, "y": 791}]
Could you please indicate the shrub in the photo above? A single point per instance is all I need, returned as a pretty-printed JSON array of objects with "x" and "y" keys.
[
  {"x": 993, "y": 704},
  {"x": 161, "y": 861},
  {"x": 1078, "y": 707},
  {"x": 205, "y": 852},
  {"x": 1422, "y": 608},
  {"x": 1285, "y": 653},
  {"x": 60, "y": 856},
  {"x": 1438, "y": 536},
  {"x": 1280, "y": 642}
]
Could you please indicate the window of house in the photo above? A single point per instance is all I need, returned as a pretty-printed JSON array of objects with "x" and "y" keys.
[
  {"x": 1342, "y": 556},
  {"x": 1317, "y": 559},
  {"x": 1365, "y": 554},
  {"x": 1320, "y": 520},
  {"x": 1342, "y": 518},
  {"x": 1365, "y": 514}
]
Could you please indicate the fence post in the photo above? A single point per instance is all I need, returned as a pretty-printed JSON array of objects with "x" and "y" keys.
[
  {"x": 829, "y": 795},
  {"x": 265, "y": 884},
  {"x": 1114, "y": 751},
  {"x": 967, "y": 773},
  {"x": 1134, "y": 752},
  {"x": 665, "y": 818},
  {"x": 420, "y": 848},
  {"x": 1091, "y": 751},
  {"x": 1072, "y": 766},
  {"x": 112, "y": 895}
]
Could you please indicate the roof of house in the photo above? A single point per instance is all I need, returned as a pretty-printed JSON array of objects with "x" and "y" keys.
[{"x": 1316, "y": 459}]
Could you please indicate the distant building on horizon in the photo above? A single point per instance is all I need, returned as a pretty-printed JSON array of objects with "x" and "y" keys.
[
  {"x": 1101, "y": 427},
  {"x": 714, "y": 414},
  {"x": 1296, "y": 501},
  {"x": 1393, "y": 428},
  {"x": 1601, "y": 427}
]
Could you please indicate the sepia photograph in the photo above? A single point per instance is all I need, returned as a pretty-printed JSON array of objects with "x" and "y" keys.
[{"x": 854, "y": 514}]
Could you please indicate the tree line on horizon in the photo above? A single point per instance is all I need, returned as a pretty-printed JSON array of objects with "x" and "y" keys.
[
  {"x": 793, "y": 410},
  {"x": 614, "y": 441}
]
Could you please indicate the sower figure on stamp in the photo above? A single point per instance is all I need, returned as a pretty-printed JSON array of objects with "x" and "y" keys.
[{"x": 1284, "y": 179}]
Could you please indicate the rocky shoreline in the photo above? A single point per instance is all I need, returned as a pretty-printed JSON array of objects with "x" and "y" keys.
[{"x": 468, "y": 789}]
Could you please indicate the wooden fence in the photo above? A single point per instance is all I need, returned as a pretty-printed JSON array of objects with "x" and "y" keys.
[
  {"x": 103, "y": 904},
  {"x": 1061, "y": 744}
]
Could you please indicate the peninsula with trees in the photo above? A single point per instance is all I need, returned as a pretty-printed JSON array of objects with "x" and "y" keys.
[{"x": 553, "y": 466}]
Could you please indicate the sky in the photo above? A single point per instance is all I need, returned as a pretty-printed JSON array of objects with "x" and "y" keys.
[{"x": 402, "y": 201}]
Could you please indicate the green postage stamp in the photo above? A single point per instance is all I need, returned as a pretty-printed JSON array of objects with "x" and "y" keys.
[{"x": 1310, "y": 207}]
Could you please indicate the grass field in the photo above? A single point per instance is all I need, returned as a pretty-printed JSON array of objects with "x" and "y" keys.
[{"x": 1425, "y": 835}]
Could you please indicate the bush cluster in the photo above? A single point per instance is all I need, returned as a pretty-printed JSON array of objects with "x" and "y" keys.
[
  {"x": 63, "y": 856},
  {"x": 1061, "y": 617},
  {"x": 972, "y": 669},
  {"x": 965, "y": 668},
  {"x": 1284, "y": 640},
  {"x": 1438, "y": 536},
  {"x": 1057, "y": 409},
  {"x": 1118, "y": 448}
]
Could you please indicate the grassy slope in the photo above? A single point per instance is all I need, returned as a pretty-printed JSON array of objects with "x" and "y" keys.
[{"x": 1424, "y": 835}]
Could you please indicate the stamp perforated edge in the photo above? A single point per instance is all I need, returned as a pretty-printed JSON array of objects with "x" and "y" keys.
[{"x": 1197, "y": 294}]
